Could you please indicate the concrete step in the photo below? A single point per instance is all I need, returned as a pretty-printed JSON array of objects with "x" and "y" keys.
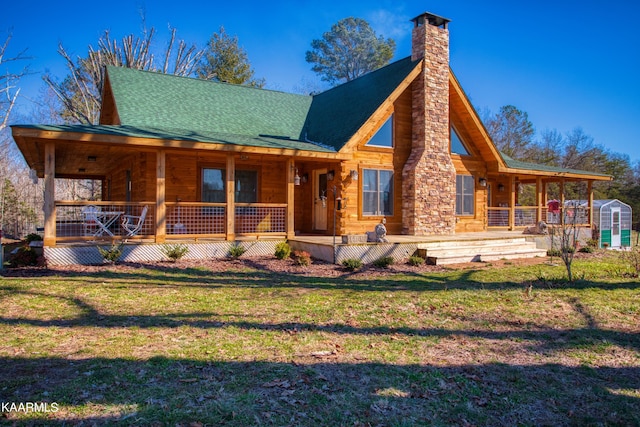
[
  {"x": 471, "y": 243},
  {"x": 456, "y": 259},
  {"x": 481, "y": 250},
  {"x": 478, "y": 250}
]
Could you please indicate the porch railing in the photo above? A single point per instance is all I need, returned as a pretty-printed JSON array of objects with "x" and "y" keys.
[
  {"x": 260, "y": 218},
  {"x": 526, "y": 216},
  {"x": 100, "y": 220},
  {"x": 103, "y": 220},
  {"x": 196, "y": 219}
]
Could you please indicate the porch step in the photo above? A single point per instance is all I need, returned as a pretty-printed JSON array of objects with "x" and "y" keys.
[{"x": 452, "y": 252}]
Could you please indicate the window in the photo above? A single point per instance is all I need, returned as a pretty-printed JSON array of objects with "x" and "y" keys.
[
  {"x": 384, "y": 136},
  {"x": 465, "y": 188},
  {"x": 214, "y": 188},
  {"x": 457, "y": 146},
  {"x": 377, "y": 192}
]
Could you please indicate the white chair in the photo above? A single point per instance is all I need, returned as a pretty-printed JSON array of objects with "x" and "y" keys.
[
  {"x": 90, "y": 224},
  {"x": 132, "y": 224}
]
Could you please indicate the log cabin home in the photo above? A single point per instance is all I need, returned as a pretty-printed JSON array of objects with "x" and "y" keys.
[{"x": 209, "y": 160}]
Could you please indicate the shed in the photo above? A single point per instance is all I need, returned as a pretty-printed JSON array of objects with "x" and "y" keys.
[{"x": 611, "y": 221}]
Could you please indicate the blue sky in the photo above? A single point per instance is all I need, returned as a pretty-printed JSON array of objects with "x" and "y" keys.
[{"x": 566, "y": 63}]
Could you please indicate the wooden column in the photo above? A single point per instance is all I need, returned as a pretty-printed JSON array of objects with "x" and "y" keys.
[
  {"x": 290, "y": 198},
  {"x": 161, "y": 207},
  {"x": 590, "y": 205},
  {"x": 512, "y": 202},
  {"x": 49, "y": 194},
  {"x": 539, "y": 200},
  {"x": 562, "y": 201},
  {"x": 231, "y": 197}
]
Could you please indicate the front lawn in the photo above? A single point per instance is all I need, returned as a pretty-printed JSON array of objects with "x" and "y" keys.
[{"x": 190, "y": 345}]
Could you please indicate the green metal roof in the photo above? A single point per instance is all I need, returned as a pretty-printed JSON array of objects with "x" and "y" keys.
[{"x": 517, "y": 164}]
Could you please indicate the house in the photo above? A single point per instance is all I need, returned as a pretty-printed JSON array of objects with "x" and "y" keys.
[{"x": 211, "y": 160}]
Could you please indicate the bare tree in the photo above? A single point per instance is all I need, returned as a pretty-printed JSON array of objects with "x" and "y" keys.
[
  {"x": 9, "y": 90},
  {"x": 80, "y": 91}
]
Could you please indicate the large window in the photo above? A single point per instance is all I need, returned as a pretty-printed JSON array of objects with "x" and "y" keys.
[
  {"x": 384, "y": 136},
  {"x": 465, "y": 188},
  {"x": 457, "y": 146},
  {"x": 377, "y": 192},
  {"x": 214, "y": 188}
]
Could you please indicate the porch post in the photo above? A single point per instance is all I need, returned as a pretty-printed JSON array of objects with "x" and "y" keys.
[
  {"x": 231, "y": 197},
  {"x": 562, "y": 201},
  {"x": 161, "y": 207},
  {"x": 512, "y": 202},
  {"x": 539, "y": 202},
  {"x": 290, "y": 198},
  {"x": 590, "y": 205},
  {"x": 49, "y": 194}
]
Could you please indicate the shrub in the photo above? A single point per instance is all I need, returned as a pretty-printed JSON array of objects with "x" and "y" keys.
[
  {"x": 23, "y": 257},
  {"x": 302, "y": 258},
  {"x": 283, "y": 250},
  {"x": 592, "y": 243},
  {"x": 415, "y": 260},
  {"x": 352, "y": 264},
  {"x": 587, "y": 249},
  {"x": 569, "y": 249},
  {"x": 33, "y": 237},
  {"x": 383, "y": 262},
  {"x": 554, "y": 252},
  {"x": 174, "y": 252},
  {"x": 112, "y": 254},
  {"x": 236, "y": 251}
]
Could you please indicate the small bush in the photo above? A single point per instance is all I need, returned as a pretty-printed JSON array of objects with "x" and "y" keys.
[
  {"x": 383, "y": 262},
  {"x": 112, "y": 254},
  {"x": 554, "y": 252},
  {"x": 24, "y": 256},
  {"x": 283, "y": 250},
  {"x": 352, "y": 264},
  {"x": 415, "y": 260},
  {"x": 302, "y": 258},
  {"x": 236, "y": 251},
  {"x": 587, "y": 249},
  {"x": 33, "y": 237},
  {"x": 592, "y": 243},
  {"x": 569, "y": 249},
  {"x": 174, "y": 252}
]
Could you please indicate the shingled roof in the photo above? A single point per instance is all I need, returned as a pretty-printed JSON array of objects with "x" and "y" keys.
[{"x": 174, "y": 106}]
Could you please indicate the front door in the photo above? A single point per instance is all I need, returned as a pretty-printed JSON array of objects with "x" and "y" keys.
[
  {"x": 615, "y": 228},
  {"x": 320, "y": 200}
]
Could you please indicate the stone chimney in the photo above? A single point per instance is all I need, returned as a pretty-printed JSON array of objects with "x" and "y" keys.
[{"x": 429, "y": 178}]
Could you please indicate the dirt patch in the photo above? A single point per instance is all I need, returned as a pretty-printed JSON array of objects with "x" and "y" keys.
[{"x": 269, "y": 264}]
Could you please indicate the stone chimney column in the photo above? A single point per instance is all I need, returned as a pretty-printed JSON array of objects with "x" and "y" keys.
[{"x": 428, "y": 177}]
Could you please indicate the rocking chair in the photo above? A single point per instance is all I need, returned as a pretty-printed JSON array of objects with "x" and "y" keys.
[{"x": 132, "y": 224}]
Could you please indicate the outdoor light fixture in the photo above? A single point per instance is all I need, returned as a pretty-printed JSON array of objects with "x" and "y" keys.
[
  {"x": 296, "y": 179},
  {"x": 92, "y": 158},
  {"x": 304, "y": 178},
  {"x": 482, "y": 182},
  {"x": 501, "y": 187},
  {"x": 353, "y": 174},
  {"x": 330, "y": 175}
]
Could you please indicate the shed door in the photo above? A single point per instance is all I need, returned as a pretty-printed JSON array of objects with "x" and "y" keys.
[{"x": 615, "y": 228}]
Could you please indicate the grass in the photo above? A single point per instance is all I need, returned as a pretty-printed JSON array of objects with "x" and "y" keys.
[{"x": 186, "y": 346}]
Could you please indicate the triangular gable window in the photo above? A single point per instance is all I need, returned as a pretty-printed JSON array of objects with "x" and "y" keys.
[
  {"x": 457, "y": 146},
  {"x": 384, "y": 136}
]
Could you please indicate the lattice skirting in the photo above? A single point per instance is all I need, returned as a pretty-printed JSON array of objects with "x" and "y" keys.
[
  {"x": 367, "y": 252},
  {"x": 87, "y": 255}
]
